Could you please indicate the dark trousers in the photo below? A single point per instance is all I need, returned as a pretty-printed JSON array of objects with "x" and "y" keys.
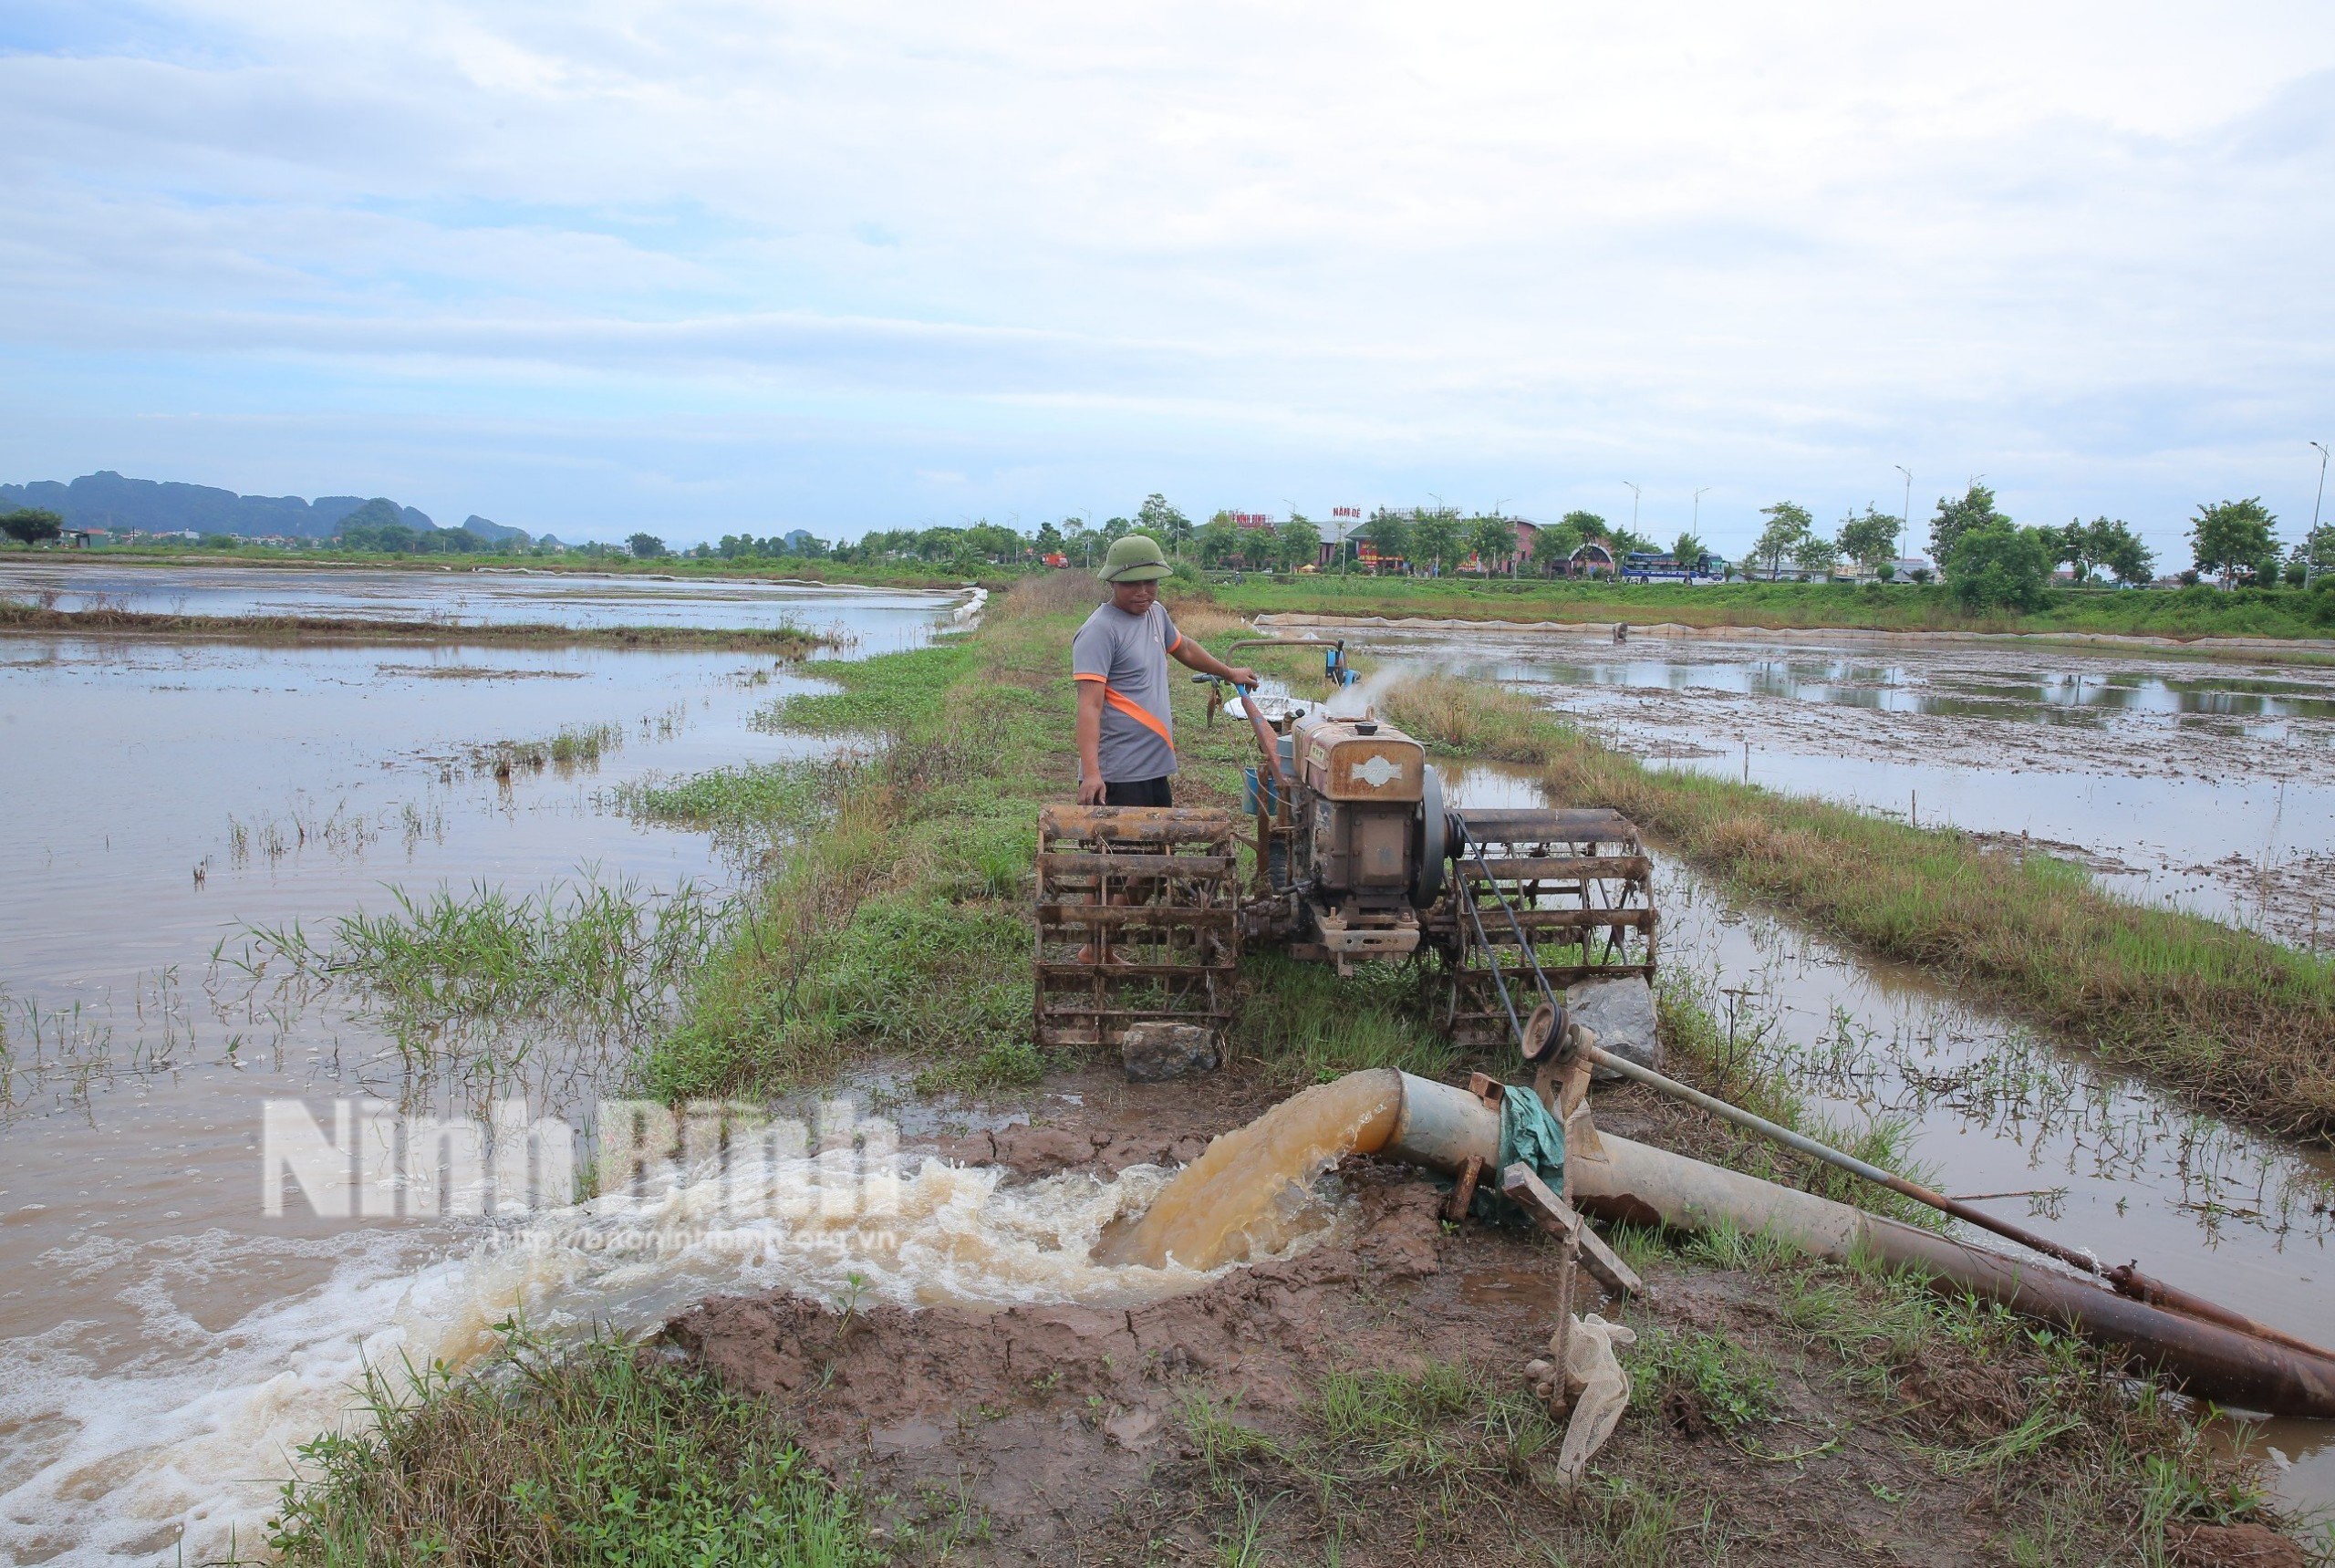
[{"x": 1137, "y": 792}]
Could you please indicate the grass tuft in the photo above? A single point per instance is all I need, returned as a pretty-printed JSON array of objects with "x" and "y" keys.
[
  {"x": 447, "y": 972},
  {"x": 602, "y": 1455}
]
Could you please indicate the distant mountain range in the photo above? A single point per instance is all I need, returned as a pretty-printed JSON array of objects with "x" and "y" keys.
[{"x": 107, "y": 500}]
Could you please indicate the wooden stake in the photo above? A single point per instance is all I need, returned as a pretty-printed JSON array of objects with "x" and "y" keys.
[
  {"x": 1560, "y": 1220},
  {"x": 1463, "y": 1196}
]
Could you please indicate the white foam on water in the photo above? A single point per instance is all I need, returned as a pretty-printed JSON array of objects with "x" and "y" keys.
[{"x": 178, "y": 1450}]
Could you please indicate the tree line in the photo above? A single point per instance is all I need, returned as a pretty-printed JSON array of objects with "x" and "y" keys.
[{"x": 1987, "y": 558}]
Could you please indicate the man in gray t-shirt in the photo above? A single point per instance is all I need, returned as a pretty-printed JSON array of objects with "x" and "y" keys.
[{"x": 1126, "y": 738}]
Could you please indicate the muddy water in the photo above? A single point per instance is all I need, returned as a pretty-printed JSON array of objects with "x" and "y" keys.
[
  {"x": 1251, "y": 1193},
  {"x": 2072, "y": 1147},
  {"x": 2210, "y": 786},
  {"x": 175, "y": 1450},
  {"x": 469, "y": 596},
  {"x": 164, "y": 1343}
]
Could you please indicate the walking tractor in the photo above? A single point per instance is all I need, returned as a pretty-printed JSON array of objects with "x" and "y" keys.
[{"x": 1353, "y": 855}]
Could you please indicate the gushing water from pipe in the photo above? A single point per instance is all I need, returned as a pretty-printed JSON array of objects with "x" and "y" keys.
[{"x": 1243, "y": 1196}]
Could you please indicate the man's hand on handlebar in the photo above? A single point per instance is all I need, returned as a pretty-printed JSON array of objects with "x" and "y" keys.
[{"x": 1243, "y": 676}]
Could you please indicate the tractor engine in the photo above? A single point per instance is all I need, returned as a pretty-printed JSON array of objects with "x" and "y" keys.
[
  {"x": 1143, "y": 912},
  {"x": 1359, "y": 790}
]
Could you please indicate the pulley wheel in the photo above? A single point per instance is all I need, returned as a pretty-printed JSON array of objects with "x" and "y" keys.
[
  {"x": 1540, "y": 1032},
  {"x": 1436, "y": 844}
]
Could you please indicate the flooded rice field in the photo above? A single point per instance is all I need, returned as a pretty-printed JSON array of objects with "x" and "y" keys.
[
  {"x": 207, "y": 813},
  {"x": 882, "y": 618},
  {"x": 2206, "y": 784},
  {"x": 164, "y": 1343},
  {"x": 2053, "y": 1138}
]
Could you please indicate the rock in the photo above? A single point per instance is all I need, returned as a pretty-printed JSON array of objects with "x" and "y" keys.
[
  {"x": 1155, "y": 1052},
  {"x": 1621, "y": 1013}
]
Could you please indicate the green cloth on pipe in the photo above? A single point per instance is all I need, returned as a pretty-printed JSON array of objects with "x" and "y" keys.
[{"x": 1529, "y": 1133}]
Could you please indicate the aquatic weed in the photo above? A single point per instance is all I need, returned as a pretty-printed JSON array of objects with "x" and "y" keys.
[{"x": 605, "y": 961}]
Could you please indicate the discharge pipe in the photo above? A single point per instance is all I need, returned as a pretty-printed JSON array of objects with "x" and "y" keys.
[
  {"x": 2125, "y": 1279},
  {"x": 1438, "y": 1126}
]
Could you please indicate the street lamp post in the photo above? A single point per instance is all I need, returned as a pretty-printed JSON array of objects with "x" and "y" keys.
[
  {"x": 1905, "y": 525},
  {"x": 1633, "y": 506},
  {"x": 2311, "y": 540}
]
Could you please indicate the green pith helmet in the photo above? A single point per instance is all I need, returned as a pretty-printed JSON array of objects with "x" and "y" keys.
[{"x": 1135, "y": 560}]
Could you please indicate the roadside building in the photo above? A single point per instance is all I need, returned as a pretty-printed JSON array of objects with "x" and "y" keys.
[
  {"x": 1338, "y": 536},
  {"x": 1505, "y": 565},
  {"x": 1593, "y": 559}
]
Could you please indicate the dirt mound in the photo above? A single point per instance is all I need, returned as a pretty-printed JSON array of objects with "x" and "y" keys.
[
  {"x": 903, "y": 1382},
  {"x": 1368, "y": 1401},
  {"x": 1041, "y": 1421}
]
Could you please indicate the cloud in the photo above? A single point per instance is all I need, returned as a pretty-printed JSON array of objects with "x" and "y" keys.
[{"x": 1505, "y": 252}]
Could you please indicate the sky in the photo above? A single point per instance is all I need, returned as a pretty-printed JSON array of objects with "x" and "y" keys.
[{"x": 701, "y": 268}]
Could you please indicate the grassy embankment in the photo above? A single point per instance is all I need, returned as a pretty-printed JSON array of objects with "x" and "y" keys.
[
  {"x": 780, "y": 642},
  {"x": 2182, "y": 613},
  {"x": 896, "y": 927},
  {"x": 2225, "y": 1017}
]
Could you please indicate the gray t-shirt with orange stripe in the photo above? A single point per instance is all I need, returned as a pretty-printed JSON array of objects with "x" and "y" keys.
[{"x": 1128, "y": 654}]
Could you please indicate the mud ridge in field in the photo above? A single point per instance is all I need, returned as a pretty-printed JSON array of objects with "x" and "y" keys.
[{"x": 1164, "y": 1431}]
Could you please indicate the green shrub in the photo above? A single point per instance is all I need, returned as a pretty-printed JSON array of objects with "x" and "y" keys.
[{"x": 2000, "y": 567}]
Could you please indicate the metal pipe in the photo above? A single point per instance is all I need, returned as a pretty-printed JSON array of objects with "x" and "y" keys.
[
  {"x": 1848, "y": 1162},
  {"x": 2125, "y": 1280},
  {"x": 1627, "y": 1180},
  {"x": 1438, "y": 1126}
]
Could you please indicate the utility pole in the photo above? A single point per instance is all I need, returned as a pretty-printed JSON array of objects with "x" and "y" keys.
[
  {"x": 1634, "y": 507},
  {"x": 1696, "y": 528},
  {"x": 2311, "y": 540},
  {"x": 1905, "y": 525}
]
